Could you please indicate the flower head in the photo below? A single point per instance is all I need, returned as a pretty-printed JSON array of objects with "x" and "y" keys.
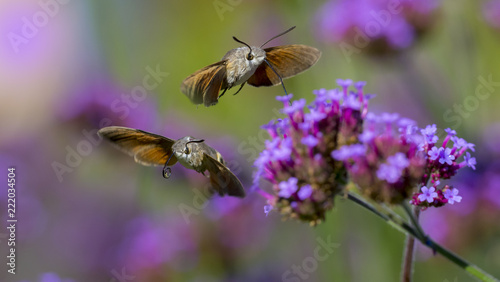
[{"x": 298, "y": 160}]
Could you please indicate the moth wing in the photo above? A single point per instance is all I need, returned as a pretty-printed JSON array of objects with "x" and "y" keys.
[
  {"x": 203, "y": 86},
  {"x": 146, "y": 148},
  {"x": 218, "y": 82},
  {"x": 222, "y": 179},
  {"x": 287, "y": 60}
]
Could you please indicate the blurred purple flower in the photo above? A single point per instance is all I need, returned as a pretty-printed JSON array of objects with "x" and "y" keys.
[
  {"x": 429, "y": 130},
  {"x": 267, "y": 209},
  {"x": 436, "y": 223},
  {"x": 491, "y": 137},
  {"x": 380, "y": 25},
  {"x": 393, "y": 170},
  {"x": 491, "y": 12},
  {"x": 305, "y": 192},
  {"x": 237, "y": 237},
  {"x": 288, "y": 187},
  {"x": 349, "y": 151},
  {"x": 389, "y": 173},
  {"x": 310, "y": 141},
  {"x": 100, "y": 102},
  {"x": 297, "y": 105},
  {"x": 284, "y": 99},
  {"x": 489, "y": 182},
  {"x": 51, "y": 277},
  {"x": 150, "y": 244}
]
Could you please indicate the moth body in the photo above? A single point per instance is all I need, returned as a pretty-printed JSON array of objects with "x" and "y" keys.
[{"x": 238, "y": 66}]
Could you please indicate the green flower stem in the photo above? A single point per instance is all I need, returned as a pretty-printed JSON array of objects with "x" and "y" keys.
[
  {"x": 394, "y": 221},
  {"x": 414, "y": 220},
  {"x": 403, "y": 227}
]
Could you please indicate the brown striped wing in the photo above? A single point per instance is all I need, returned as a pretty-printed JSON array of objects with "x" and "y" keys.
[
  {"x": 146, "y": 148},
  {"x": 222, "y": 179},
  {"x": 203, "y": 86},
  {"x": 287, "y": 60}
]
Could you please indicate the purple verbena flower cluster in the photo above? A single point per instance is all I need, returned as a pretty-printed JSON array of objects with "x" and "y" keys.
[
  {"x": 313, "y": 153},
  {"x": 389, "y": 164},
  {"x": 442, "y": 163},
  {"x": 431, "y": 197},
  {"x": 297, "y": 160}
]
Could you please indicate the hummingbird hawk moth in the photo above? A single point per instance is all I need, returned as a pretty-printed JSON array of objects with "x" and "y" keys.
[
  {"x": 248, "y": 64},
  {"x": 153, "y": 150}
]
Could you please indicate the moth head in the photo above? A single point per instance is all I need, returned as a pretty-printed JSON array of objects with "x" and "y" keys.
[
  {"x": 187, "y": 140},
  {"x": 255, "y": 55}
]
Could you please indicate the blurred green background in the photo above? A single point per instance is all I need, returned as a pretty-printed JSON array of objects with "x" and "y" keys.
[{"x": 100, "y": 216}]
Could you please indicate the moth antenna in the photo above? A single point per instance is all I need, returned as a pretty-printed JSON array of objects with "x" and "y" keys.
[
  {"x": 239, "y": 41},
  {"x": 279, "y": 76},
  {"x": 283, "y": 33},
  {"x": 166, "y": 170},
  {"x": 193, "y": 141}
]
